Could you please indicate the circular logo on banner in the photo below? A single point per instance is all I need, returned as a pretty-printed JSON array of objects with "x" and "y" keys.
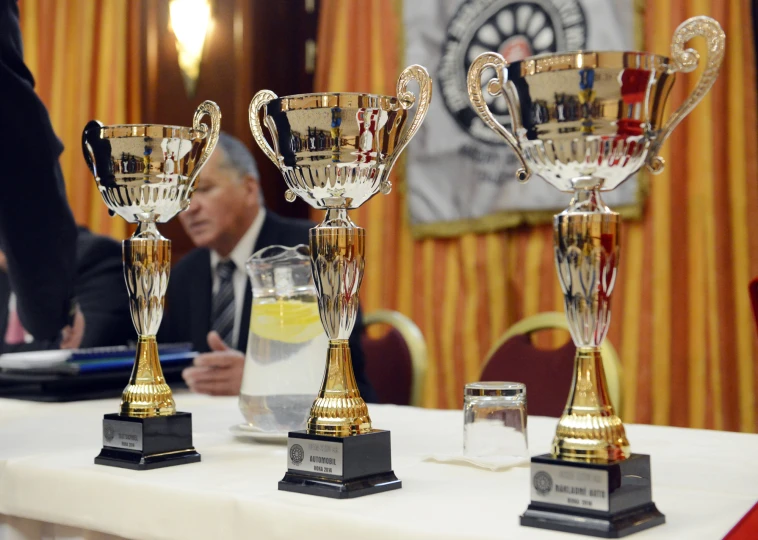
[
  {"x": 297, "y": 454},
  {"x": 542, "y": 482},
  {"x": 515, "y": 29},
  {"x": 109, "y": 433}
]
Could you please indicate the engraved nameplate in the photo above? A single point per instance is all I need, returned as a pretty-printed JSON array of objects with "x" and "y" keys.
[
  {"x": 317, "y": 457},
  {"x": 124, "y": 435},
  {"x": 576, "y": 487}
]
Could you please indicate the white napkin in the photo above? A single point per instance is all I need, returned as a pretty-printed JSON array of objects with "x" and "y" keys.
[
  {"x": 495, "y": 447},
  {"x": 492, "y": 463}
]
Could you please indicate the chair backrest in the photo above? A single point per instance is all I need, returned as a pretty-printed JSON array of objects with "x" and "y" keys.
[
  {"x": 546, "y": 373},
  {"x": 754, "y": 298},
  {"x": 396, "y": 363}
]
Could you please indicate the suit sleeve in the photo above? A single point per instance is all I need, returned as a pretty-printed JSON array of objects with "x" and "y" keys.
[
  {"x": 175, "y": 325},
  {"x": 37, "y": 230},
  {"x": 101, "y": 292},
  {"x": 359, "y": 361},
  {"x": 167, "y": 331}
]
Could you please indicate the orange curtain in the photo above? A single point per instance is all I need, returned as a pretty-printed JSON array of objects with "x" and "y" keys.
[
  {"x": 681, "y": 313},
  {"x": 85, "y": 59}
]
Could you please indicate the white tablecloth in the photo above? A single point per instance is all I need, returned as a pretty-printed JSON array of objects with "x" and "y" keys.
[{"x": 704, "y": 481}]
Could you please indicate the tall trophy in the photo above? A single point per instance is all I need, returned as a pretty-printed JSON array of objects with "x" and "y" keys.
[
  {"x": 336, "y": 151},
  {"x": 585, "y": 121},
  {"x": 146, "y": 174}
]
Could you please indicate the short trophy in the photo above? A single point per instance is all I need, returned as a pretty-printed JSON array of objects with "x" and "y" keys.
[
  {"x": 146, "y": 174},
  {"x": 585, "y": 121},
  {"x": 335, "y": 151}
]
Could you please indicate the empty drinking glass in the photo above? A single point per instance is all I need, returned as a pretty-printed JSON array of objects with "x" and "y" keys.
[{"x": 494, "y": 420}]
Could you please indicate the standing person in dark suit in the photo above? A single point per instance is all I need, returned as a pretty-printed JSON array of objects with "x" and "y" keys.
[
  {"x": 37, "y": 229},
  {"x": 209, "y": 296},
  {"x": 100, "y": 292}
]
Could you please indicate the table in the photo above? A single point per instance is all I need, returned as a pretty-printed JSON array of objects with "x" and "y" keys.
[{"x": 704, "y": 481}]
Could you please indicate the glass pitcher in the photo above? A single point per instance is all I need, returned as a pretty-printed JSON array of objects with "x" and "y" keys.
[{"x": 287, "y": 344}]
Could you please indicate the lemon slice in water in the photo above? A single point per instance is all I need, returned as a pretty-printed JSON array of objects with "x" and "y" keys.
[{"x": 289, "y": 321}]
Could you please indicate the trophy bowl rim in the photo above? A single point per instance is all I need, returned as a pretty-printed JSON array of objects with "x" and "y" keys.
[
  {"x": 591, "y": 59},
  {"x": 329, "y": 100},
  {"x": 185, "y": 132}
]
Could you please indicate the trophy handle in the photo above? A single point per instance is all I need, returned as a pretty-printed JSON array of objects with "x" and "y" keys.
[
  {"x": 494, "y": 87},
  {"x": 86, "y": 149},
  {"x": 407, "y": 99},
  {"x": 261, "y": 99},
  {"x": 211, "y": 109},
  {"x": 686, "y": 60},
  {"x": 88, "y": 157}
]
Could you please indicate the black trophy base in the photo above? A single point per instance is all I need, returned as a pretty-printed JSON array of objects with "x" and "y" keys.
[
  {"x": 339, "y": 467},
  {"x": 610, "y": 500},
  {"x": 142, "y": 444}
]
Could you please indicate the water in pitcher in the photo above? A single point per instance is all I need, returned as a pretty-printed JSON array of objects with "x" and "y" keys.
[{"x": 286, "y": 350}]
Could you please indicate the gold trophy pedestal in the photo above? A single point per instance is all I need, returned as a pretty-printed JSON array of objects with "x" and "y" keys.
[
  {"x": 338, "y": 455},
  {"x": 336, "y": 151},
  {"x": 585, "y": 122},
  {"x": 590, "y": 483},
  {"x": 146, "y": 173}
]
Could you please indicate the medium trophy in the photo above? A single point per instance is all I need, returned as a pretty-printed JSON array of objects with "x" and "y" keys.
[
  {"x": 336, "y": 151},
  {"x": 146, "y": 174},
  {"x": 585, "y": 121}
]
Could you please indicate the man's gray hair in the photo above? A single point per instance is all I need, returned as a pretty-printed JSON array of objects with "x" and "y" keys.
[{"x": 239, "y": 158}]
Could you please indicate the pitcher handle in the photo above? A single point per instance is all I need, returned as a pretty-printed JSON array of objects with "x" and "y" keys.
[
  {"x": 407, "y": 99},
  {"x": 212, "y": 110},
  {"x": 686, "y": 60},
  {"x": 494, "y": 87}
]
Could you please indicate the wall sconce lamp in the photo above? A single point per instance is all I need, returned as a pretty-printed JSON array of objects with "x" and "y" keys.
[{"x": 191, "y": 22}]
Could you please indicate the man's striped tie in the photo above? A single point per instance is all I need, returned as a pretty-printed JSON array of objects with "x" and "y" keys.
[{"x": 222, "y": 314}]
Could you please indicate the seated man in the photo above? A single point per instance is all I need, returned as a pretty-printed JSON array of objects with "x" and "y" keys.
[
  {"x": 103, "y": 317},
  {"x": 209, "y": 296}
]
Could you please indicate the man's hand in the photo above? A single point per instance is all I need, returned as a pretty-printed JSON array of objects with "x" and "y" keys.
[
  {"x": 71, "y": 336},
  {"x": 218, "y": 373}
]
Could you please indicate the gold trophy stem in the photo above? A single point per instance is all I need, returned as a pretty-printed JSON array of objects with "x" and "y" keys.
[
  {"x": 337, "y": 247},
  {"x": 147, "y": 263},
  {"x": 147, "y": 393},
  {"x": 586, "y": 237},
  {"x": 589, "y": 429},
  {"x": 339, "y": 410}
]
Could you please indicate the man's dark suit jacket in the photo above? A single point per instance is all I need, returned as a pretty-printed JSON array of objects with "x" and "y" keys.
[
  {"x": 187, "y": 317},
  {"x": 100, "y": 292},
  {"x": 37, "y": 230}
]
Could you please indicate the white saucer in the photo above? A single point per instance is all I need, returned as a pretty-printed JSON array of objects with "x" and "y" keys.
[{"x": 245, "y": 431}]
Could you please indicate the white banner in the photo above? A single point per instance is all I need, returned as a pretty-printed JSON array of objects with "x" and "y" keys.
[{"x": 461, "y": 175}]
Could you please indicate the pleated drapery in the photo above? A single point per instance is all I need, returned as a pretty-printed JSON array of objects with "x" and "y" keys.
[{"x": 85, "y": 58}]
